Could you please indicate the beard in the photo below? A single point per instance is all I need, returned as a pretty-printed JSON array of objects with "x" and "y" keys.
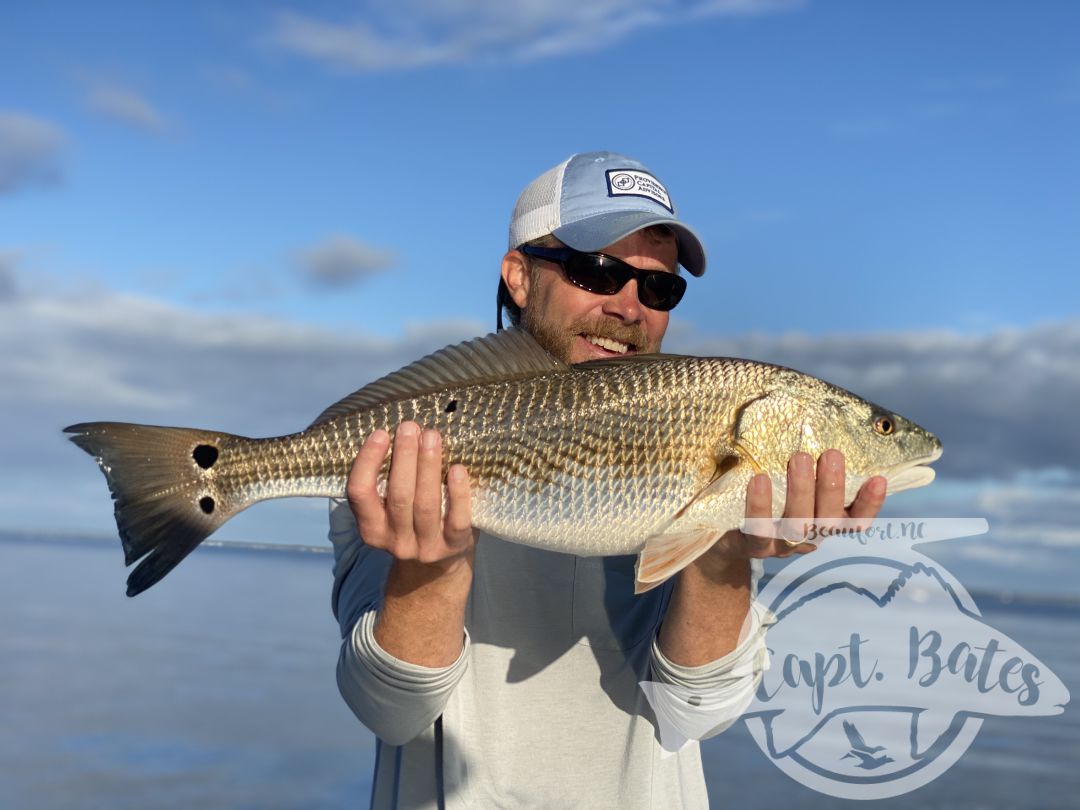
[{"x": 559, "y": 340}]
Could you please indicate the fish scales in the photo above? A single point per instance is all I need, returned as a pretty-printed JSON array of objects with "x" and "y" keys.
[{"x": 540, "y": 454}]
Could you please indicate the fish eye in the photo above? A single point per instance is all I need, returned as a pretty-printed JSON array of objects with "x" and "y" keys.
[{"x": 884, "y": 425}]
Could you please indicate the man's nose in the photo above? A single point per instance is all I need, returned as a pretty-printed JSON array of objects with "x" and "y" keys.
[{"x": 625, "y": 304}]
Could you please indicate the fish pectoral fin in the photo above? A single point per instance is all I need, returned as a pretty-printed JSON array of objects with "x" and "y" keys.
[
  {"x": 665, "y": 555},
  {"x": 720, "y": 483}
]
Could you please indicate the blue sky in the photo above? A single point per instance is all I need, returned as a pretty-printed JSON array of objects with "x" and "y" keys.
[
  {"x": 208, "y": 210},
  {"x": 913, "y": 164}
]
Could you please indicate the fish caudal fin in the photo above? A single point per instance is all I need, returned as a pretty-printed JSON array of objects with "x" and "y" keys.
[{"x": 165, "y": 484}]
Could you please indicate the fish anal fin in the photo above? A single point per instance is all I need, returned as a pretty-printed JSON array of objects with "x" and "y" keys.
[
  {"x": 666, "y": 554},
  {"x": 716, "y": 509}
]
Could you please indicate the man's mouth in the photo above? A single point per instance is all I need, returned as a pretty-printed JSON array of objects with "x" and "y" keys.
[{"x": 609, "y": 344}]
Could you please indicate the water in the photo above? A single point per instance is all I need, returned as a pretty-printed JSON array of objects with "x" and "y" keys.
[{"x": 217, "y": 690}]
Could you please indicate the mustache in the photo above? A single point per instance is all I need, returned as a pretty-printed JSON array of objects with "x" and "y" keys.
[{"x": 630, "y": 334}]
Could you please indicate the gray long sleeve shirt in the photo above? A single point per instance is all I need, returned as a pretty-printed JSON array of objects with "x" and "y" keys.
[{"x": 543, "y": 707}]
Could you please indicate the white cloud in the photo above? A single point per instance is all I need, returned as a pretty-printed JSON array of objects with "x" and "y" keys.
[
  {"x": 341, "y": 260},
  {"x": 420, "y": 33},
  {"x": 126, "y": 106},
  {"x": 30, "y": 152}
]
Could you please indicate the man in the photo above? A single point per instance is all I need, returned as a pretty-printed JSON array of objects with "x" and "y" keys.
[{"x": 498, "y": 675}]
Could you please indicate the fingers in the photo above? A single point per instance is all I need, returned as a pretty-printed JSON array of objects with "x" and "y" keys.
[
  {"x": 759, "y": 497},
  {"x": 408, "y": 522},
  {"x": 401, "y": 483},
  {"x": 868, "y": 502},
  {"x": 457, "y": 527},
  {"x": 759, "y": 506},
  {"x": 829, "y": 489},
  {"x": 427, "y": 500},
  {"x": 800, "y": 487},
  {"x": 362, "y": 487},
  {"x": 819, "y": 496}
]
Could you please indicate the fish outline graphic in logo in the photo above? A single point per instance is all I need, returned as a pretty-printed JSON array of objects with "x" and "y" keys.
[
  {"x": 882, "y": 668},
  {"x": 623, "y": 181}
]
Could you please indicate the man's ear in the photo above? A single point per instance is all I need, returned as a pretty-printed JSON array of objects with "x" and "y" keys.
[{"x": 515, "y": 274}]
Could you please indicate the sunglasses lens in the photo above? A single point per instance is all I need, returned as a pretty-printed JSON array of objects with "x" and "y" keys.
[
  {"x": 595, "y": 273},
  {"x": 661, "y": 290}
]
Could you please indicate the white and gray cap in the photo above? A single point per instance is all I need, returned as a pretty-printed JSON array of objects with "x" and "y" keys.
[{"x": 594, "y": 199}]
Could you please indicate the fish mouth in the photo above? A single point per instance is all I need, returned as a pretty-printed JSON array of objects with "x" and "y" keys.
[{"x": 911, "y": 474}]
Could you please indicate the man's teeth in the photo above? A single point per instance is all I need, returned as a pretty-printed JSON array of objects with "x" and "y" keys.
[{"x": 608, "y": 343}]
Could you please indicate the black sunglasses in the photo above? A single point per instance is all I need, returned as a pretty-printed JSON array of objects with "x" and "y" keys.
[{"x": 605, "y": 275}]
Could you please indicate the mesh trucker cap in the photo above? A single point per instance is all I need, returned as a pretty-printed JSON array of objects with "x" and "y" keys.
[{"x": 593, "y": 199}]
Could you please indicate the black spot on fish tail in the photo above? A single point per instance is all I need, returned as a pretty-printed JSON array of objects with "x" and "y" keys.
[
  {"x": 205, "y": 455},
  {"x": 206, "y": 503},
  {"x": 451, "y": 406}
]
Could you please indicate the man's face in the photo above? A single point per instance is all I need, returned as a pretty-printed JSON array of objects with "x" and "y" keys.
[{"x": 576, "y": 325}]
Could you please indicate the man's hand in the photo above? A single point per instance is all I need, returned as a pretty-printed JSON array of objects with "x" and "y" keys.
[
  {"x": 819, "y": 497},
  {"x": 409, "y": 523},
  {"x": 708, "y": 615},
  {"x": 422, "y": 616}
]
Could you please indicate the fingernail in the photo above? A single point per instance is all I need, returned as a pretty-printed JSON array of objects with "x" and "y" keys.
[
  {"x": 759, "y": 485},
  {"x": 428, "y": 439},
  {"x": 408, "y": 429},
  {"x": 379, "y": 436},
  {"x": 834, "y": 460},
  {"x": 804, "y": 464},
  {"x": 457, "y": 474}
]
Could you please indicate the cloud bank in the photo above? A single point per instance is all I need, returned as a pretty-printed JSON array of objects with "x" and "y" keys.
[{"x": 1002, "y": 402}]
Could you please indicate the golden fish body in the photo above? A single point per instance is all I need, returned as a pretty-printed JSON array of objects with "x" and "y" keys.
[{"x": 646, "y": 454}]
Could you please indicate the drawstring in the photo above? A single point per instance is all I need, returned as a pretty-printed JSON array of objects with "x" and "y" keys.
[{"x": 440, "y": 787}]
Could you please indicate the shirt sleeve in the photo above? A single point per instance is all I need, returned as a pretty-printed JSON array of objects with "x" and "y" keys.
[
  {"x": 395, "y": 699},
  {"x": 695, "y": 703}
]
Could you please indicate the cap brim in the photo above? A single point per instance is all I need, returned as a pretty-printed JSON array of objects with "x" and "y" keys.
[{"x": 597, "y": 232}]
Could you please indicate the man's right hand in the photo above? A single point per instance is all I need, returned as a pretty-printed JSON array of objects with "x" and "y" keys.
[
  {"x": 422, "y": 616},
  {"x": 409, "y": 523}
]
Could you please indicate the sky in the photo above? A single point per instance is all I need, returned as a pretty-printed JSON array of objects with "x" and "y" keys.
[{"x": 230, "y": 215}]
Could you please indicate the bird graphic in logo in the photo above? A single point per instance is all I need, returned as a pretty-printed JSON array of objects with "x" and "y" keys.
[{"x": 863, "y": 752}]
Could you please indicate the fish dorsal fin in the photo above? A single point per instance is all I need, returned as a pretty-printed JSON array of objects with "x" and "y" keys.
[{"x": 512, "y": 354}]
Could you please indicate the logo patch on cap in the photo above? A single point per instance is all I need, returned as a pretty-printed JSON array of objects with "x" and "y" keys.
[{"x": 635, "y": 183}]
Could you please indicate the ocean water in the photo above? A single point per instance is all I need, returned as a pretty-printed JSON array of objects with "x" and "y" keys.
[{"x": 218, "y": 691}]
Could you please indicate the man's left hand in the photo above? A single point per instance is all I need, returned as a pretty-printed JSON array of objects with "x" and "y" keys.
[{"x": 817, "y": 496}]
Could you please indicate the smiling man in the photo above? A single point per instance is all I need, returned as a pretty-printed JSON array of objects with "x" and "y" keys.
[{"x": 500, "y": 675}]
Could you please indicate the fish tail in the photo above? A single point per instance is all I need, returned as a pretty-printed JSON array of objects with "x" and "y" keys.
[{"x": 167, "y": 486}]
